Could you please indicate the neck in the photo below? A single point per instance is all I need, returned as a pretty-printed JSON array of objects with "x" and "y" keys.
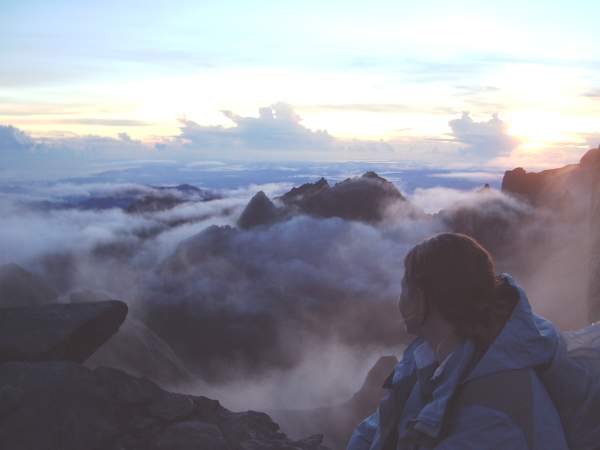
[{"x": 442, "y": 339}]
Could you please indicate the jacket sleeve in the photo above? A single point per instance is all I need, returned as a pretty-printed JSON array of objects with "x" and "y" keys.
[
  {"x": 480, "y": 428},
  {"x": 363, "y": 435}
]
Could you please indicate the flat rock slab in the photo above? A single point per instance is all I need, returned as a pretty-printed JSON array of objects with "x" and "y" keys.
[{"x": 58, "y": 332}]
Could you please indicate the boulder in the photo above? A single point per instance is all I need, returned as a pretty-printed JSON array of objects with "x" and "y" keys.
[
  {"x": 58, "y": 332},
  {"x": 65, "y": 406}
]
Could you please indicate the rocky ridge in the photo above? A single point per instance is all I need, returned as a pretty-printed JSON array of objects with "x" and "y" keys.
[{"x": 72, "y": 407}]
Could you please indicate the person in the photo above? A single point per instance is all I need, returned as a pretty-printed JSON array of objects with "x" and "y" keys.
[{"x": 471, "y": 378}]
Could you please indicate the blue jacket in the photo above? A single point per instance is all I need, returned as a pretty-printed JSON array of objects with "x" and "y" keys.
[{"x": 500, "y": 403}]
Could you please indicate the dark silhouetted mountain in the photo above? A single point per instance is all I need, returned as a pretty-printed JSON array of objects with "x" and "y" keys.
[
  {"x": 149, "y": 204},
  {"x": 224, "y": 297},
  {"x": 145, "y": 199},
  {"x": 554, "y": 188},
  {"x": 259, "y": 211},
  {"x": 18, "y": 287},
  {"x": 493, "y": 221},
  {"x": 297, "y": 195},
  {"x": 168, "y": 198},
  {"x": 362, "y": 198}
]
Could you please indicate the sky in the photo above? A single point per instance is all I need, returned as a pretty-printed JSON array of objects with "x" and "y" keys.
[{"x": 454, "y": 84}]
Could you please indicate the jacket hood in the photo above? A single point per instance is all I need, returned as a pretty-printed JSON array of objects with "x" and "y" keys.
[{"x": 526, "y": 340}]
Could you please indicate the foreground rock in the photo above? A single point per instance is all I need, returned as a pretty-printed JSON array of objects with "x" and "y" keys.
[
  {"x": 65, "y": 406},
  {"x": 58, "y": 332}
]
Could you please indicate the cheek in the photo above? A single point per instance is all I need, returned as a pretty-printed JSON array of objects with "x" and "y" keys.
[{"x": 407, "y": 307}]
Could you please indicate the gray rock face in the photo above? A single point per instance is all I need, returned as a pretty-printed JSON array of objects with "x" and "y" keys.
[
  {"x": 65, "y": 406},
  {"x": 58, "y": 332}
]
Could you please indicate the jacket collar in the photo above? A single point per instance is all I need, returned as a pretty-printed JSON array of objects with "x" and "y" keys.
[{"x": 416, "y": 364}]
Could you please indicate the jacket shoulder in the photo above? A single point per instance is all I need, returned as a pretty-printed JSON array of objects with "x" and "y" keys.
[{"x": 509, "y": 392}]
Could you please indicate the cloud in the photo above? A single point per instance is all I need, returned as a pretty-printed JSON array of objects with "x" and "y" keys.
[
  {"x": 277, "y": 128},
  {"x": 23, "y": 157},
  {"x": 377, "y": 108},
  {"x": 484, "y": 140},
  {"x": 105, "y": 122},
  {"x": 594, "y": 94},
  {"x": 276, "y": 133},
  {"x": 593, "y": 140},
  {"x": 12, "y": 139}
]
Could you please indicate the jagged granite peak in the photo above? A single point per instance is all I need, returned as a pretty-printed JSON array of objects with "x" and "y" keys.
[
  {"x": 260, "y": 210},
  {"x": 361, "y": 198},
  {"x": 58, "y": 332},
  {"x": 552, "y": 187},
  {"x": 19, "y": 287},
  {"x": 297, "y": 194},
  {"x": 150, "y": 204},
  {"x": 71, "y": 407}
]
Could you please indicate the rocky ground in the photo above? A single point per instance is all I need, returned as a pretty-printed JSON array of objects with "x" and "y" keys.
[{"x": 50, "y": 401}]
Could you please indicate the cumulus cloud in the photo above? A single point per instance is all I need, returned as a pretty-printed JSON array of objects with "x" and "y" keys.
[
  {"x": 23, "y": 157},
  {"x": 12, "y": 139},
  {"x": 483, "y": 140},
  {"x": 276, "y": 132},
  {"x": 277, "y": 127}
]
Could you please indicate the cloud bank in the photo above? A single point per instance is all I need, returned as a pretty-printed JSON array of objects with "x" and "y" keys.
[
  {"x": 483, "y": 141},
  {"x": 277, "y": 133}
]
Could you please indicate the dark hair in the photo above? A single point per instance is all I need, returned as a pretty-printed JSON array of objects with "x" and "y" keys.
[{"x": 457, "y": 277}]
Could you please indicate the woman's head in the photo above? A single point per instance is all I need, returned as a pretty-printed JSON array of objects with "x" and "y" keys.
[{"x": 452, "y": 275}]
